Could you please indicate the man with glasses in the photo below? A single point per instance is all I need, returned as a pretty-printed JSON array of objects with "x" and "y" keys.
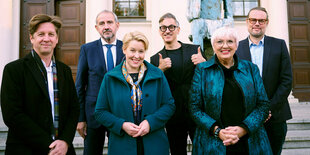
[
  {"x": 177, "y": 60},
  {"x": 96, "y": 59},
  {"x": 273, "y": 60}
]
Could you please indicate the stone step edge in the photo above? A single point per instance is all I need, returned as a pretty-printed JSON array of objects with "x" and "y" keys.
[{"x": 298, "y": 135}]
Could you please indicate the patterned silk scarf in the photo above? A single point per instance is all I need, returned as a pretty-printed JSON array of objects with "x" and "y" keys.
[
  {"x": 56, "y": 98},
  {"x": 136, "y": 93}
]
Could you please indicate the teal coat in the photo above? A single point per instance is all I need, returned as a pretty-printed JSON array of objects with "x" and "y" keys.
[
  {"x": 205, "y": 106},
  {"x": 113, "y": 108}
]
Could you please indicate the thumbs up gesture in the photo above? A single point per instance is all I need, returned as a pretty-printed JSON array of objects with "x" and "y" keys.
[
  {"x": 164, "y": 64},
  {"x": 198, "y": 58}
]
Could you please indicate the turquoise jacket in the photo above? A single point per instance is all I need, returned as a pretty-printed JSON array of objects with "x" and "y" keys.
[
  {"x": 113, "y": 108},
  {"x": 205, "y": 106}
]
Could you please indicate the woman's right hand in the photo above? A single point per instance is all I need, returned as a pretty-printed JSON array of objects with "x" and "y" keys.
[{"x": 130, "y": 128}]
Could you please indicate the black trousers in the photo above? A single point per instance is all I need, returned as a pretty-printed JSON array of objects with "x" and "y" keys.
[
  {"x": 177, "y": 136},
  {"x": 276, "y": 132},
  {"x": 94, "y": 141}
]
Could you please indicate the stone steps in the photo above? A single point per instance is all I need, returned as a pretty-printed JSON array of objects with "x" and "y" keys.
[{"x": 297, "y": 140}]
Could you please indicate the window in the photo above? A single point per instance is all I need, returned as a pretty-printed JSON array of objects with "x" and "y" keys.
[
  {"x": 242, "y": 7},
  {"x": 129, "y": 8}
]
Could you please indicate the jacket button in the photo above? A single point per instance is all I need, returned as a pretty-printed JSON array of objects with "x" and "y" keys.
[{"x": 146, "y": 95}]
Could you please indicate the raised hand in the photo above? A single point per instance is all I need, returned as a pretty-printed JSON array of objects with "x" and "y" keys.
[
  {"x": 198, "y": 58},
  {"x": 164, "y": 64}
]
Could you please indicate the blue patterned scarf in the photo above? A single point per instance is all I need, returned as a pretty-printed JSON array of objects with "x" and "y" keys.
[{"x": 136, "y": 93}]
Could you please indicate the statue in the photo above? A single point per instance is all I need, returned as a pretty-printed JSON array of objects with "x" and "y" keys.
[{"x": 205, "y": 17}]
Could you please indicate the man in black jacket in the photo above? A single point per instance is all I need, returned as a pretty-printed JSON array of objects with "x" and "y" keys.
[
  {"x": 177, "y": 60},
  {"x": 38, "y": 98},
  {"x": 271, "y": 56}
]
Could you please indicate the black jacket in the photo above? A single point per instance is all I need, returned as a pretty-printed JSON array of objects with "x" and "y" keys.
[
  {"x": 26, "y": 107},
  {"x": 276, "y": 75}
]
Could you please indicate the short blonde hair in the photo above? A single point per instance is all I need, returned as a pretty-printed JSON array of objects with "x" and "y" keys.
[
  {"x": 138, "y": 36},
  {"x": 224, "y": 31}
]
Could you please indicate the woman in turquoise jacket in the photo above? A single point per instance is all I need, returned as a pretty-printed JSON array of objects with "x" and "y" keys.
[
  {"x": 135, "y": 102},
  {"x": 228, "y": 102}
]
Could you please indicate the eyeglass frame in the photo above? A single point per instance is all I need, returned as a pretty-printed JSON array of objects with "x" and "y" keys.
[
  {"x": 224, "y": 42},
  {"x": 254, "y": 21},
  {"x": 170, "y": 27}
]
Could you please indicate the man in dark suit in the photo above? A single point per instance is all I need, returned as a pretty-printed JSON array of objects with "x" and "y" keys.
[
  {"x": 273, "y": 60},
  {"x": 96, "y": 58},
  {"x": 38, "y": 98},
  {"x": 177, "y": 60}
]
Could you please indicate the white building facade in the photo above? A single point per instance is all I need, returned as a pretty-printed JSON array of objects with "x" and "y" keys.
[{"x": 10, "y": 24}]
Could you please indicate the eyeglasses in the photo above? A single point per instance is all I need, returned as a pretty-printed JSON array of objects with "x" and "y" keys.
[
  {"x": 260, "y": 21},
  {"x": 170, "y": 27},
  {"x": 221, "y": 43}
]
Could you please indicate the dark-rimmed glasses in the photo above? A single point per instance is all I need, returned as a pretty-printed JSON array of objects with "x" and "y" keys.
[
  {"x": 170, "y": 27},
  {"x": 260, "y": 21}
]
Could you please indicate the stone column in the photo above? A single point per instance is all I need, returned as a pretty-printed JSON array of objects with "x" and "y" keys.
[
  {"x": 278, "y": 20},
  {"x": 9, "y": 30},
  {"x": 93, "y": 7}
]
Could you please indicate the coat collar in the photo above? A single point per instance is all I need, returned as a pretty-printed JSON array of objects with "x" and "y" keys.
[
  {"x": 212, "y": 62},
  {"x": 152, "y": 73},
  {"x": 266, "y": 56},
  {"x": 32, "y": 65}
]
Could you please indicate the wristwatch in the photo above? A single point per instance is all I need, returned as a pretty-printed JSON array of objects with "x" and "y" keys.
[{"x": 217, "y": 132}]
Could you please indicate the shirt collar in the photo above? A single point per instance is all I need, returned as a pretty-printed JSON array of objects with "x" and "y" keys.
[
  {"x": 48, "y": 68},
  {"x": 261, "y": 42},
  {"x": 105, "y": 43}
]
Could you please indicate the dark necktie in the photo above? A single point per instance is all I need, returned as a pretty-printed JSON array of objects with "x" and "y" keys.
[{"x": 109, "y": 57}]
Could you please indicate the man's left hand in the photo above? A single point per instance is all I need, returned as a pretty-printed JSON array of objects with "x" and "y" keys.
[{"x": 198, "y": 58}]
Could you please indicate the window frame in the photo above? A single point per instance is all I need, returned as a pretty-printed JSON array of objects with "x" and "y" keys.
[
  {"x": 242, "y": 18},
  {"x": 130, "y": 17}
]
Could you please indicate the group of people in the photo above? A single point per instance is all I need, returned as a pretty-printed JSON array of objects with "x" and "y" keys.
[{"x": 234, "y": 103}]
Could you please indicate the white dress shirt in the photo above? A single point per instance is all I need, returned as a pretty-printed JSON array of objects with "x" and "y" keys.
[
  {"x": 50, "y": 84},
  {"x": 257, "y": 54},
  {"x": 105, "y": 49}
]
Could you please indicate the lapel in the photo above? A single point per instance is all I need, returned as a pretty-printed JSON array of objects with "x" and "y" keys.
[
  {"x": 99, "y": 51},
  {"x": 266, "y": 56},
  {"x": 246, "y": 53},
  {"x": 119, "y": 52},
  {"x": 35, "y": 71}
]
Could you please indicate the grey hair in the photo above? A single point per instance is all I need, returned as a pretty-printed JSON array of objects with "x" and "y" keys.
[
  {"x": 224, "y": 31},
  {"x": 169, "y": 15},
  {"x": 107, "y": 11}
]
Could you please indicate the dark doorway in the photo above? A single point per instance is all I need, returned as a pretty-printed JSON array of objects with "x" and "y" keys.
[{"x": 299, "y": 34}]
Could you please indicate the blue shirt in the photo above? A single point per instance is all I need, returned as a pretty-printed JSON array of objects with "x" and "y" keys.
[{"x": 257, "y": 53}]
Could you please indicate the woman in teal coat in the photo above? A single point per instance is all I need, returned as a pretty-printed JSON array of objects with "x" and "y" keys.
[
  {"x": 228, "y": 102},
  {"x": 135, "y": 102}
]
